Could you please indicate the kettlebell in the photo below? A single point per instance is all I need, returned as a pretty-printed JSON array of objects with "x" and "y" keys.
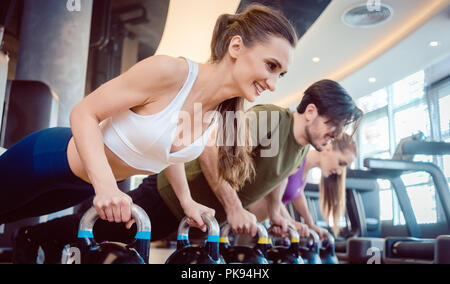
[
  {"x": 244, "y": 254},
  {"x": 287, "y": 254},
  {"x": 309, "y": 248},
  {"x": 327, "y": 250},
  {"x": 137, "y": 252},
  {"x": 188, "y": 254}
]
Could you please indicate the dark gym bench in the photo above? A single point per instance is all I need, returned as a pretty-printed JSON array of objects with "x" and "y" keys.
[{"x": 27, "y": 108}]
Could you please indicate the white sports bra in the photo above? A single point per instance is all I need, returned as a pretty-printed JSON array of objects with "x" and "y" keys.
[{"x": 144, "y": 142}]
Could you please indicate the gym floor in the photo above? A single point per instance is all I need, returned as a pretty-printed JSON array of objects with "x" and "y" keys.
[{"x": 160, "y": 255}]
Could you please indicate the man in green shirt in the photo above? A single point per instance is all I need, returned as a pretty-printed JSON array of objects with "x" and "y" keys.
[{"x": 282, "y": 142}]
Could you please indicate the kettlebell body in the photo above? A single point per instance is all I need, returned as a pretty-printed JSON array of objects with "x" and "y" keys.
[
  {"x": 244, "y": 254},
  {"x": 188, "y": 254},
  {"x": 284, "y": 255},
  {"x": 327, "y": 251},
  {"x": 112, "y": 253},
  {"x": 137, "y": 252},
  {"x": 309, "y": 249},
  {"x": 192, "y": 255},
  {"x": 310, "y": 257}
]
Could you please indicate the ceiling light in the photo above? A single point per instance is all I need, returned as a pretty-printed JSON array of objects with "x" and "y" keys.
[
  {"x": 434, "y": 43},
  {"x": 316, "y": 59},
  {"x": 372, "y": 79}
]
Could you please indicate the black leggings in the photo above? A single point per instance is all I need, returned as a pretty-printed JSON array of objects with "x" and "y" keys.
[{"x": 64, "y": 230}]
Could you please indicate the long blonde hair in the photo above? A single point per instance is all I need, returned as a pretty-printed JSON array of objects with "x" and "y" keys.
[{"x": 332, "y": 188}]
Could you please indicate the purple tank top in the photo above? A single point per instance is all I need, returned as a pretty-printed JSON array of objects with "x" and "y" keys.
[{"x": 295, "y": 185}]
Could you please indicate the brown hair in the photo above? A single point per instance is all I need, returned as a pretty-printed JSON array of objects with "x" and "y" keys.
[
  {"x": 333, "y": 102},
  {"x": 332, "y": 188},
  {"x": 254, "y": 25}
]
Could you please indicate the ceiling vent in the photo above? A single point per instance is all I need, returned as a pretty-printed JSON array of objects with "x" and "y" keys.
[{"x": 367, "y": 15}]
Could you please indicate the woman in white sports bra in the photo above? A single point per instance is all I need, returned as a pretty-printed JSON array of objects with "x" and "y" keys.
[{"x": 131, "y": 124}]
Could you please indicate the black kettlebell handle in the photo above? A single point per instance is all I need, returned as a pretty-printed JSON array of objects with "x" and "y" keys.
[{"x": 142, "y": 238}]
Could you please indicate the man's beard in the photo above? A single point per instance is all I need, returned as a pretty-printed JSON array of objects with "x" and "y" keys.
[{"x": 310, "y": 140}]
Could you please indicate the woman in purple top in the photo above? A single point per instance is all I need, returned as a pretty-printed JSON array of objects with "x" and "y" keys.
[{"x": 332, "y": 161}]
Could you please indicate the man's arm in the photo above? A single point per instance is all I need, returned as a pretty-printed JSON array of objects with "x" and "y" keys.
[
  {"x": 274, "y": 205},
  {"x": 301, "y": 206},
  {"x": 226, "y": 195}
]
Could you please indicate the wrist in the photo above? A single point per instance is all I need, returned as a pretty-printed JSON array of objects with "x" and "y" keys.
[
  {"x": 101, "y": 188},
  {"x": 310, "y": 225},
  {"x": 273, "y": 210},
  {"x": 233, "y": 208},
  {"x": 274, "y": 217},
  {"x": 313, "y": 227},
  {"x": 309, "y": 222},
  {"x": 228, "y": 198},
  {"x": 185, "y": 201}
]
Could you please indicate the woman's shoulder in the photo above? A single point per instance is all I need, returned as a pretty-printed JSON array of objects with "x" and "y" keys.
[
  {"x": 166, "y": 62},
  {"x": 163, "y": 68}
]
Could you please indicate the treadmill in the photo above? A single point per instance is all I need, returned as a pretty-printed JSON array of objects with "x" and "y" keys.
[
  {"x": 414, "y": 249},
  {"x": 362, "y": 248},
  {"x": 359, "y": 245}
]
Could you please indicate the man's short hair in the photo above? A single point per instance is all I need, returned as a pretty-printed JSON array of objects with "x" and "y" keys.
[{"x": 332, "y": 101}]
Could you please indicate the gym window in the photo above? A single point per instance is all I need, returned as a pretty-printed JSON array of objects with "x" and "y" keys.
[{"x": 393, "y": 113}]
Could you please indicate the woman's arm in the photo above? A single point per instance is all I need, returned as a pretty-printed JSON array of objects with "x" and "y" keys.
[
  {"x": 240, "y": 220},
  {"x": 301, "y": 206},
  {"x": 177, "y": 178},
  {"x": 302, "y": 229},
  {"x": 139, "y": 86}
]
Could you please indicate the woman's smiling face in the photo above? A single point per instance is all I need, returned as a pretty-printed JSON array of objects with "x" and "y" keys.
[{"x": 258, "y": 67}]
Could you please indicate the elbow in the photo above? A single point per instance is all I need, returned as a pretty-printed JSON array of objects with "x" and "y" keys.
[
  {"x": 79, "y": 114},
  {"x": 74, "y": 115}
]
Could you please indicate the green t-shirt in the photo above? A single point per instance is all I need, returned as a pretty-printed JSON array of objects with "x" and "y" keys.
[{"x": 275, "y": 159}]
